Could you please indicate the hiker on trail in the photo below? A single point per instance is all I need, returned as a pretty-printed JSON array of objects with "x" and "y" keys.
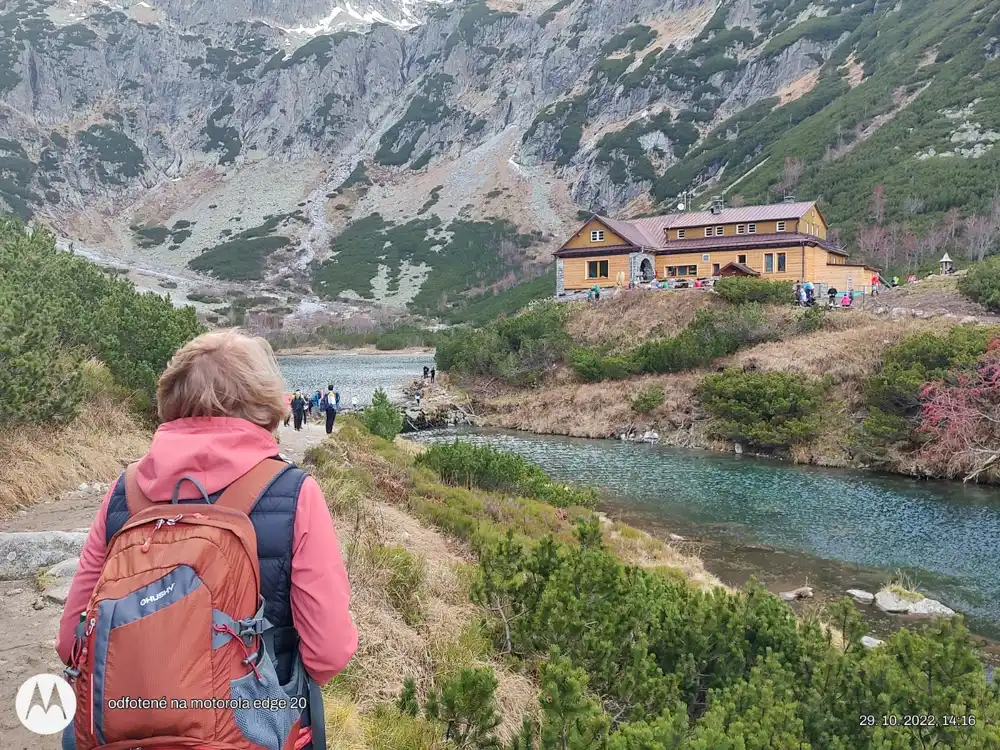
[
  {"x": 832, "y": 294},
  {"x": 911, "y": 279},
  {"x": 426, "y": 371},
  {"x": 597, "y": 293},
  {"x": 810, "y": 293},
  {"x": 211, "y": 572},
  {"x": 846, "y": 300},
  {"x": 328, "y": 406},
  {"x": 299, "y": 409},
  {"x": 314, "y": 402},
  {"x": 433, "y": 374},
  {"x": 875, "y": 285}
]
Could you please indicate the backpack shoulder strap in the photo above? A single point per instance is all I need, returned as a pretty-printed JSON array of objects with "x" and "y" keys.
[
  {"x": 134, "y": 497},
  {"x": 243, "y": 493}
]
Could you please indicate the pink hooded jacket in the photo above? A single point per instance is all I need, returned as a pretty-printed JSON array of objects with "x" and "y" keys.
[{"x": 216, "y": 451}]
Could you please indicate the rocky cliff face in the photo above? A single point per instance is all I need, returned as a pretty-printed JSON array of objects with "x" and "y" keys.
[{"x": 164, "y": 128}]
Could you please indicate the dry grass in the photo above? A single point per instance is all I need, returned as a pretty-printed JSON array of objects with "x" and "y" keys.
[
  {"x": 40, "y": 461},
  {"x": 634, "y": 316},
  {"x": 598, "y": 410},
  {"x": 394, "y": 645},
  {"x": 848, "y": 349},
  {"x": 636, "y": 547},
  {"x": 848, "y": 353}
]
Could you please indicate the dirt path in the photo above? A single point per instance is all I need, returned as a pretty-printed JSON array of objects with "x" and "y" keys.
[{"x": 30, "y": 622}]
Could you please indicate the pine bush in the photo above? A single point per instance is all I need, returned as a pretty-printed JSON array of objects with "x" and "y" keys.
[
  {"x": 740, "y": 289},
  {"x": 382, "y": 418},
  {"x": 57, "y": 311},
  {"x": 764, "y": 409},
  {"x": 634, "y": 661}
]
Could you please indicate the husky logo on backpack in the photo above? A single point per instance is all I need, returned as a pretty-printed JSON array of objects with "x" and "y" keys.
[
  {"x": 177, "y": 612},
  {"x": 157, "y": 597}
]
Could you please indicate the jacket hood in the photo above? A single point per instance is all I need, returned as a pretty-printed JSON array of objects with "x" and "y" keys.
[{"x": 213, "y": 450}]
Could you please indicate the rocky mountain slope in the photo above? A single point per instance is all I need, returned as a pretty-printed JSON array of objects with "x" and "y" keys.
[{"x": 411, "y": 152}]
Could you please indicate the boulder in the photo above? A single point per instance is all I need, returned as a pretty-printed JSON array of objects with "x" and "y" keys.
[
  {"x": 24, "y": 553},
  {"x": 676, "y": 538},
  {"x": 860, "y": 595},
  {"x": 897, "y": 604},
  {"x": 893, "y": 603},
  {"x": 931, "y": 607},
  {"x": 64, "y": 569},
  {"x": 58, "y": 591},
  {"x": 870, "y": 642},
  {"x": 803, "y": 592}
]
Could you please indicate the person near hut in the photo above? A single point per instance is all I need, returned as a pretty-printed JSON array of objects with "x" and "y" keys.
[{"x": 846, "y": 300}]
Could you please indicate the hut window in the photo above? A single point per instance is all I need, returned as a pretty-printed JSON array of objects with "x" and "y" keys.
[
  {"x": 671, "y": 270},
  {"x": 719, "y": 231},
  {"x": 741, "y": 229},
  {"x": 708, "y": 231},
  {"x": 741, "y": 259},
  {"x": 680, "y": 234},
  {"x": 781, "y": 262},
  {"x": 715, "y": 269},
  {"x": 597, "y": 269},
  {"x": 597, "y": 235},
  {"x": 751, "y": 229},
  {"x": 781, "y": 226},
  {"x": 768, "y": 262}
]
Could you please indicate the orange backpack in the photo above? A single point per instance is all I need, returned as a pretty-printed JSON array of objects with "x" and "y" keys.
[{"x": 169, "y": 653}]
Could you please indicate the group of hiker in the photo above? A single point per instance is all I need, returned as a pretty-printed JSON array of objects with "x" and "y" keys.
[{"x": 322, "y": 403}]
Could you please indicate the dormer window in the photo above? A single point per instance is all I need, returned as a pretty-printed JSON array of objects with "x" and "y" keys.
[
  {"x": 741, "y": 229},
  {"x": 709, "y": 232},
  {"x": 680, "y": 234},
  {"x": 597, "y": 235},
  {"x": 719, "y": 231},
  {"x": 751, "y": 229},
  {"x": 781, "y": 226}
]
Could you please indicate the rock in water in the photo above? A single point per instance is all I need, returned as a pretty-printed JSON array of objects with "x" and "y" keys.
[
  {"x": 24, "y": 553},
  {"x": 870, "y": 642},
  {"x": 894, "y": 603},
  {"x": 891, "y": 602},
  {"x": 931, "y": 607},
  {"x": 865, "y": 597}
]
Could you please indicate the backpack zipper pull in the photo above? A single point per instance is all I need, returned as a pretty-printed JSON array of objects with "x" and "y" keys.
[{"x": 149, "y": 539}]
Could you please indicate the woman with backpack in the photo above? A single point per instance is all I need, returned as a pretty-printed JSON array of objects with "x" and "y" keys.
[{"x": 211, "y": 576}]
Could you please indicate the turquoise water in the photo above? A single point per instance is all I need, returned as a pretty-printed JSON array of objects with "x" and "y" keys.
[
  {"x": 353, "y": 375},
  {"x": 788, "y": 524}
]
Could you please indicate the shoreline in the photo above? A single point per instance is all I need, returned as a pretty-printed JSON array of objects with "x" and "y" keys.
[{"x": 319, "y": 351}]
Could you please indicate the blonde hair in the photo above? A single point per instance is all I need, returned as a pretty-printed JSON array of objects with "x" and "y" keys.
[{"x": 223, "y": 374}]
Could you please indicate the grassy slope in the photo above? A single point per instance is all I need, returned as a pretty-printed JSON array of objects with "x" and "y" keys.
[
  {"x": 847, "y": 350},
  {"x": 412, "y": 607},
  {"x": 40, "y": 461}
]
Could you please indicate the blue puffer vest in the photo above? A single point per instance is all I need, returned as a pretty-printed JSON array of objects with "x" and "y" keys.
[{"x": 273, "y": 519}]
